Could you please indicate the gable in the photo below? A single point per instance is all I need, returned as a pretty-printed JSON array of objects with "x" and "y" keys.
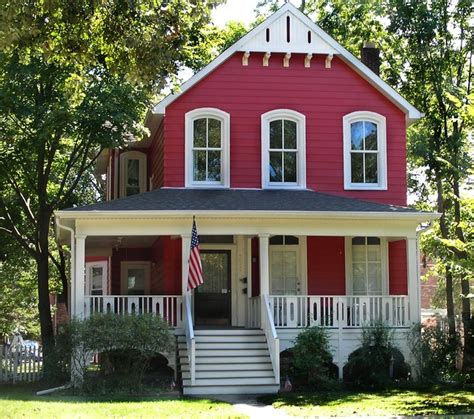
[{"x": 299, "y": 27}]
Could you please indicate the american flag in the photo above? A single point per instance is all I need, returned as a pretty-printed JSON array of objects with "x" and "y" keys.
[{"x": 195, "y": 267}]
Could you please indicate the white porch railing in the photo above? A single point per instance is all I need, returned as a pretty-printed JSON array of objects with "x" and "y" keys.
[
  {"x": 169, "y": 307},
  {"x": 190, "y": 341},
  {"x": 272, "y": 338},
  {"x": 253, "y": 315},
  {"x": 339, "y": 311}
]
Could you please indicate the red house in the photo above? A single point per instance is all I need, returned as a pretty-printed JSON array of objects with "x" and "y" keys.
[{"x": 291, "y": 155}]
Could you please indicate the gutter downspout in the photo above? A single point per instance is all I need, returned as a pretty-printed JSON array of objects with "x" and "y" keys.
[{"x": 73, "y": 258}]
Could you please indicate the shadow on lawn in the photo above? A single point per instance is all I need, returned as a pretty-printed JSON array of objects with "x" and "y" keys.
[
  {"x": 27, "y": 392},
  {"x": 408, "y": 401}
]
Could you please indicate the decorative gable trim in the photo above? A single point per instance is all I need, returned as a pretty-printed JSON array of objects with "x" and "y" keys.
[{"x": 321, "y": 42}]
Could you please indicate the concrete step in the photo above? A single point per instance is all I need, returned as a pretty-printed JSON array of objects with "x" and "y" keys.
[
  {"x": 231, "y": 381},
  {"x": 247, "y": 389},
  {"x": 222, "y": 374}
]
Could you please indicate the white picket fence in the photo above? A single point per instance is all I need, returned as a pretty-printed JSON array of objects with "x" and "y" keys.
[{"x": 23, "y": 365}]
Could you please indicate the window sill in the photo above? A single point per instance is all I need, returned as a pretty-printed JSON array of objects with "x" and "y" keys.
[
  {"x": 207, "y": 186},
  {"x": 293, "y": 187},
  {"x": 363, "y": 187}
]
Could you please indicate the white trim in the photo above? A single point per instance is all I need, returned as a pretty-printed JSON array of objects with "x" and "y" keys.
[
  {"x": 102, "y": 264},
  {"x": 300, "y": 120},
  {"x": 411, "y": 112},
  {"x": 224, "y": 118},
  {"x": 125, "y": 265},
  {"x": 142, "y": 169},
  {"x": 384, "y": 265},
  {"x": 381, "y": 123}
]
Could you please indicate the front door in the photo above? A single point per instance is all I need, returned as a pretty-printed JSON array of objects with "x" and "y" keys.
[
  {"x": 212, "y": 299},
  {"x": 96, "y": 278}
]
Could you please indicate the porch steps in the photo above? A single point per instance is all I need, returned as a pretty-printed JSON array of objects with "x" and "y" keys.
[{"x": 230, "y": 361}]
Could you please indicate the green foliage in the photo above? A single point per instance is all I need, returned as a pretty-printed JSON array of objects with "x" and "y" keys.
[
  {"x": 312, "y": 357},
  {"x": 377, "y": 361},
  {"x": 126, "y": 344},
  {"x": 434, "y": 354}
]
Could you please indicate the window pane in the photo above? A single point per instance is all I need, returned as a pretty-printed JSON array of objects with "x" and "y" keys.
[
  {"x": 358, "y": 240},
  {"x": 290, "y": 135},
  {"x": 214, "y": 133},
  {"x": 96, "y": 283},
  {"x": 371, "y": 168},
  {"x": 374, "y": 253},
  {"x": 133, "y": 172},
  {"x": 275, "y": 240},
  {"x": 132, "y": 190},
  {"x": 358, "y": 253},
  {"x": 370, "y": 136},
  {"x": 357, "y": 135},
  {"x": 136, "y": 281},
  {"x": 373, "y": 240},
  {"x": 359, "y": 284},
  {"x": 375, "y": 278},
  {"x": 199, "y": 166},
  {"x": 291, "y": 240},
  {"x": 275, "y": 166},
  {"x": 215, "y": 268},
  {"x": 290, "y": 167},
  {"x": 214, "y": 166},
  {"x": 357, "y": 168},
  {"x": 275, "y": 134},
  {"x": 200, "y": 132}
]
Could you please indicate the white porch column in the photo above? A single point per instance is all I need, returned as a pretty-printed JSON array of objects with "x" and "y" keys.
[
  {"x": 79, "y": 285},
  {"x": 185, "y": 248},
  {"x": 413, "y": 279},
  {"x": 263, "y": 241}
]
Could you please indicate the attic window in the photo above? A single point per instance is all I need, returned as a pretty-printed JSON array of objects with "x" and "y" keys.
[
  {"x": 268, "y": 34},
  {"x": 132, "y": 173},
  {"x": 288, "y": 29},
  {"x": 309, "y": 37}
]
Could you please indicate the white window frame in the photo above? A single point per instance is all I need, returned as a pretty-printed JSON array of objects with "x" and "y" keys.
[
  {"x": 381, "y": 123},
  {"x": 102, "y": 264},
  {"x": 224, "y": 118},
  {"x": 300, "y": 120},
  {"x": 384, "y": 265},
  {"x": 142, "y": 169},
  {"x": 125, "y": 266}
]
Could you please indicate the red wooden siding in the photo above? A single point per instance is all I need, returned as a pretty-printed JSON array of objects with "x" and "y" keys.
[
  {"x": 326, "y": 261},
  {"x": 323, "y": 95},
  {"x": 397, "y": 268},
  {"x": 157, "y": 157}
]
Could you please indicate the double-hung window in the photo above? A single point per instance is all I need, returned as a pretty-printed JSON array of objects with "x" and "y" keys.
[
  {"x": 132, "y": 173},
  {"x": 283, "y": 149},
  {"x": 366, "y": 265},
  {"x": 365, "y": 161},
  {"x": 207, "y": 148}
]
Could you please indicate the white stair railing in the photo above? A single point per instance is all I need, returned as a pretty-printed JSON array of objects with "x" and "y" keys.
[
  {"x": 190, "y": 340},
  {"x": 272, "y": 338}
]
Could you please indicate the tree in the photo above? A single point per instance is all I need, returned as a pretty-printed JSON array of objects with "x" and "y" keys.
[{"x": 75, "y": 77}]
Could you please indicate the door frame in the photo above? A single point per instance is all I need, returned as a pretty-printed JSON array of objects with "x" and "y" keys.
[
  {"x": 302, "y": 250},
  {"x": 105, "y": 268},
  {"x": 233, "y": 276}
]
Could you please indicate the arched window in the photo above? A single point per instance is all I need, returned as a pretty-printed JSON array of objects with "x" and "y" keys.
[
  {"x": 207, "y": 148},
  {"x": 283, "y": 149},
  {"x": 132, "y": 173},
  {"x": 365, "y": 160}
]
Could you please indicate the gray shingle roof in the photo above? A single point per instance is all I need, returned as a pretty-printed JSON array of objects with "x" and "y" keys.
[{"x": 240, "y": 200}]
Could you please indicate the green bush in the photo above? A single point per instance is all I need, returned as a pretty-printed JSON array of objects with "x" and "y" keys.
[
  {"x": 125, "y": 344},
  {"x": 434, "y": 354},
  {"x": 311, "y": 360},
  {"x": 57, "y": 366},
  {"x": 377, "y": 362}
]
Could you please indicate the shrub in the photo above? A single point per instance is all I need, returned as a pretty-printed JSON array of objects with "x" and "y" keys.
[
  {"x": 311, "y": 360},
  {"x": 377, "y": 362},
  {"x": 434, "y": 353},
  {"x": 57, "y": 366},
  {"x": 125, "y": 343}
]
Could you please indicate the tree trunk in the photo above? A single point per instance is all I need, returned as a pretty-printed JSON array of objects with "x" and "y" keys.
[{"x": 450, "y": 305}]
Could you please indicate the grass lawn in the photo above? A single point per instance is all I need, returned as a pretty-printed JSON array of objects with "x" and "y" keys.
[
  {"x": 21, "y": 402},
  {"x": 386, "y": 403}
]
